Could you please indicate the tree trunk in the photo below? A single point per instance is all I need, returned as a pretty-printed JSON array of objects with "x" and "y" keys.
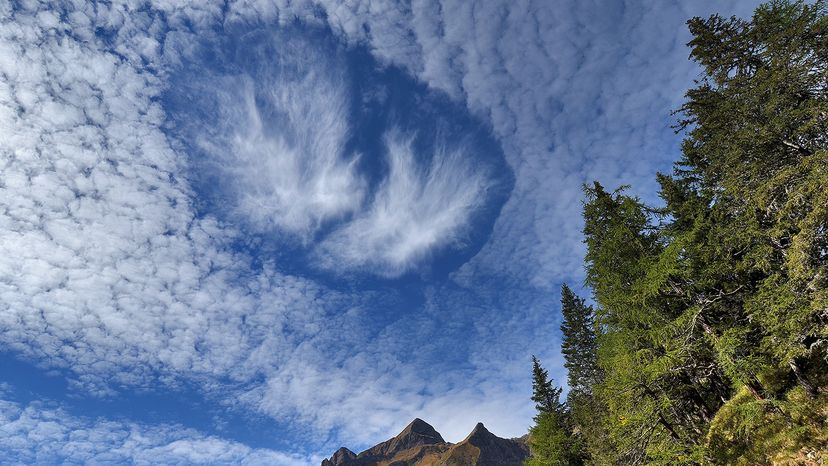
[
  {"x": 669, "y": 427},
  {"x": 755, "y": 389},
  {"x": 806, "y": 384}
]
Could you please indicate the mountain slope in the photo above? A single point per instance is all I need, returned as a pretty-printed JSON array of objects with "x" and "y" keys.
[{"x": 420, "y": 445}]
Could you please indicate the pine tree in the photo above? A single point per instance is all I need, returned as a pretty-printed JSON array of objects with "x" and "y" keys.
[
  {"x": 713, "y": 310},
  {"x": 550, "y": 440},
  {"x": 546, "y": 396},
  {"x": 579, "y": 345}
]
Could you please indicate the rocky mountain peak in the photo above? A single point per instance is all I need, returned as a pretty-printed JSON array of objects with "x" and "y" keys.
[
  {"x": 423, "y": 430},
  {"x": 479, "y": 431},
  {"x": 419, "y": 444},
  {"x": 341, "y": 457}
]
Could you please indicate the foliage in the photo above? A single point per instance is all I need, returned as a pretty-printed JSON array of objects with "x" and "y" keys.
[
  {"x": 751, "y": 432},
  {"x": 551, "y": 443},
  {"x": 579, "y": 344},
  {"x": 551, "y": 440},
  {"x": 709, "y": 342},
  {"x": 546, "y": 396}
]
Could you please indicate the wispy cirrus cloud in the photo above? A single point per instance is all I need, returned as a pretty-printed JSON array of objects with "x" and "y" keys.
[
  {"x": 273, "y": 130},
  {"x": 108, "y": 272},
  {"x": 573, "y": 92},
  {"x": 419, "y": 207}
]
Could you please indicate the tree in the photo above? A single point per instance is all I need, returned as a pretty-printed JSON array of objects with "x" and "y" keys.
[
  {"x": 546, "y": 396},
  {"x": 550, "y": 441},
  {"x": 579, "y": 345},
  {"x": 756, "y": 151},
  {"x": 657, "y": 378},
  {"x": 714, "y": 308}
]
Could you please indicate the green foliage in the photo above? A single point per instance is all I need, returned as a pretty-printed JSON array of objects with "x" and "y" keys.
[
  {"x": 551, "y": 440},
  {"x": 579, "y": 344},
  {"x": 751, "y": 432},
  {"x": 546, "y": 396},
  {"x": 551, "y": 443},
  {"x": 710, "y": 338}
]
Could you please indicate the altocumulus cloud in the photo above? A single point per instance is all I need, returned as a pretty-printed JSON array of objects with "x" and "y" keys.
[
  {"x": 39, "y": 433},
  {"x": 107, "y": 271},
  {"x": 574, "y": 92}
]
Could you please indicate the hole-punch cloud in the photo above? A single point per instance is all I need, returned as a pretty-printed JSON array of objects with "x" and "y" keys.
[{"x": 273, "y": 134}]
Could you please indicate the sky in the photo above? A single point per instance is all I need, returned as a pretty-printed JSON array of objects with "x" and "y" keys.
[{"x": 254, "y": 231}]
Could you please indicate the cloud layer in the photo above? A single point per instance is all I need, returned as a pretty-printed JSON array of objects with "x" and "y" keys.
[
  {"x": 574, "y": 92},
  {"x": 108, "y": 272},
  {"x": 39, "y": 433}
]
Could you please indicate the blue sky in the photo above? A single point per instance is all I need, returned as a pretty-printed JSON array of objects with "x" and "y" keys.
[{"x": 254, "y": 231}]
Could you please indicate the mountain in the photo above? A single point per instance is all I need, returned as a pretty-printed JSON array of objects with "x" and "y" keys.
[{"x": 420, "y": 445}]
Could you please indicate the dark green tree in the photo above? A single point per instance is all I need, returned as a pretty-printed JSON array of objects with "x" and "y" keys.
[
  {"x": 714, "y": 309},
  {"x": 550, "y": 440},
  {"x": 545, "y": 394},
  {"x": 756, "y": 152},
  {"x": 579, "y": 345}
]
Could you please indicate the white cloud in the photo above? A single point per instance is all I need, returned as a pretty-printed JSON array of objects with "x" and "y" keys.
[
  {"x": 104, "y": 268},
  {"x": 276, "y": 144},
  {"x": 573, "y": 91},
  {"x": 418, "y": 208},
  {"x": 39, "y": 434},
  {"x": 106, "y": 272}
]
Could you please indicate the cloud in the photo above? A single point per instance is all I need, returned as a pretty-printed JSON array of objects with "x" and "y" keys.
[
  {"x": 573, "y": 92},
  {"x": 107, "y": 272},
  {"x": 273, "y": 131},
  {"x": 419, "y": 207},
  {"x": 41, "y": 433}
]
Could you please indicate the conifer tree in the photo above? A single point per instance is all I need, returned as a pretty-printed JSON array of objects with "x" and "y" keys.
[
  {"x": 714, "y": 309},
  {"x": 550, "y": 440},
  {"x": 579, "y": 345},
  {"x": 545, "y": 394}
]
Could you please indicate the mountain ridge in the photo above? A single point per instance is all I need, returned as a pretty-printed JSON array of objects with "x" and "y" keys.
[{"x": 419, "y": 444}]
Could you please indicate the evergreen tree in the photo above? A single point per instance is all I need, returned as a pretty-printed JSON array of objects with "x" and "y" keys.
[
  {"x": 550, "y": 441},
  {"x": 658, "y": 379},
  {"x": 551, "y": 444},
  {"x": 546, "y": 396},
  {"x": 756, "y": 152},
  {"x": 579, "y": 345},
  {"x": 714, "y": 309}
]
